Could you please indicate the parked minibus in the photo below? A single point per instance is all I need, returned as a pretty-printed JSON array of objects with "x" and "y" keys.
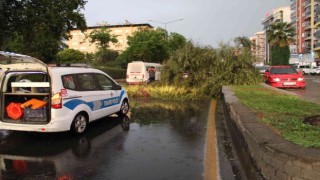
[{"x": 140, "y": 72}]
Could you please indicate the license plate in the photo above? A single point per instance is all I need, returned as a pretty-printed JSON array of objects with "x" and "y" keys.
[{"x": 289, "y": 83}]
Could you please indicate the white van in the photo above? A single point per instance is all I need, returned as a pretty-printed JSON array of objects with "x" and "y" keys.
[
  {"x": 305, "y": 69},
  {"x": 37, "y": 97},
  {"x": 138, "y": 72}
]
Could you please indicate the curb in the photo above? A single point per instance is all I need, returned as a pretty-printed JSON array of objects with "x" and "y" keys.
[{"x": 273, "y": 156}]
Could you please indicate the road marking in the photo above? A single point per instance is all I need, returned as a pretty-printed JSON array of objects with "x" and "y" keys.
[
  {"x": 316, "y": 80},
  {"x": 211, "y": 166}
]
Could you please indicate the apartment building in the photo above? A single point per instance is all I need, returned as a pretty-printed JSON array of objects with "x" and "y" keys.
[
  {"x": 258, "y": 46},
  {"x": 80, "y": 41},
  {"x": 282, "y": 14},
  {"x": 306, "y": 18}
]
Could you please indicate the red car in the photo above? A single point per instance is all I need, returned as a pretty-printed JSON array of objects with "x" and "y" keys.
[{"x": 284, "y": 77}]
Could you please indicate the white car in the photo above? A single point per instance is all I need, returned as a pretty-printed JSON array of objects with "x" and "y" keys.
[
  {"x": 261, "y": 69},
  {"x": 315, "y": 70},
  {"x": 305, "y": 69},
  {"x": 40, "y": 98}
]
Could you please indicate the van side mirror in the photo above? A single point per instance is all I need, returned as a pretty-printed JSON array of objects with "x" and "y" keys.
[{"x": 117, "y": 87}]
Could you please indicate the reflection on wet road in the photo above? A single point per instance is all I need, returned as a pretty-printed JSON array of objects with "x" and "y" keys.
[
  {"x": 312, "y": 90},
  {"x": 160, "y": 140}
]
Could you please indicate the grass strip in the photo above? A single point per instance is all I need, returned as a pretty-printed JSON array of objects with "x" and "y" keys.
[
  {"x": 165, "y": 92},
  {"x": 284, "y": 113}
]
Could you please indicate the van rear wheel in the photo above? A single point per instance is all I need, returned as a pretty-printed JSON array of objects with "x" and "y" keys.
[
  {"x": 124, "y": 109},
  {"x": 79, "y": 124}
]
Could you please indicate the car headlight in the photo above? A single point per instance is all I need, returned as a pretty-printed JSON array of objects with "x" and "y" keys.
[
  {"x": 300, "y": 79},
  {"x": 276, "y": 79}
]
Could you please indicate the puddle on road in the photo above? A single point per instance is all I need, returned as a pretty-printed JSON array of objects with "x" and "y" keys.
[{"x": 164, "y": 140}]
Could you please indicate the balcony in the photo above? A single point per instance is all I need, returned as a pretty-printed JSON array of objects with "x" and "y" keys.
[
  {"x": 317, "y": 21},
  {"x": 317, "y": 34},
  {"x": 307, "y": 37},
  {"x": 293, "y": 6},
  {"x": 307, "y": 25},
  {"x": 317, "y": 45},
  {"x": 317, "y": 10},
  {"x": 307, "y": 49},
  {"x": 307, "y": 3},
  {"x": 307, "y": 14}
]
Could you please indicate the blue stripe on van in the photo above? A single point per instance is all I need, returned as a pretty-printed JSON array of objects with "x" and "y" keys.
[{"x": 95, "y": 105}]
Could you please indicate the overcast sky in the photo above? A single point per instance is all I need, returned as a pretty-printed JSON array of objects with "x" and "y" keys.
[{"x": 206, "y": 22}]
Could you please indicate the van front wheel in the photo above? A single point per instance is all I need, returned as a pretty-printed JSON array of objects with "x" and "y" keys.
[
  {"x": 124, "y": 109},
  {"x": 79, "y": 124}
]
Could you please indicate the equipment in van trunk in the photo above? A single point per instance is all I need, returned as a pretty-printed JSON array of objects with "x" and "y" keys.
[
  {"x": 14, "y": 110},
  {"x": 33, "y": 104},
  {"x": 28, "y": 101}
]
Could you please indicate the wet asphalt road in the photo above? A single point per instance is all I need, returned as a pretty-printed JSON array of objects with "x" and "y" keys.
[
  {"x": 312, "y": 90},
  {"x": 157, "y": 141}
]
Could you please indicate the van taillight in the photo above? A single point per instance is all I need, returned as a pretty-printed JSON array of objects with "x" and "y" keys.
[{"x": 56, "y": 101}]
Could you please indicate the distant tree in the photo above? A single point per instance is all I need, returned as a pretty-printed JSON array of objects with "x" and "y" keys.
[
  {"x": 106, "y": 57},
  {"x": 151, "y": 46},
  {"x": 280, "y": 36},
  {"x": 102, "y": 37},
  {"x": 148, "y": 45},
  {"x": 176, "y": 41},
  {"x": 70, "y": 56},
  {"x": 243, "y": 41},
  {"x": 36, "y": 27},
  {"x": 123, "y": 59}
]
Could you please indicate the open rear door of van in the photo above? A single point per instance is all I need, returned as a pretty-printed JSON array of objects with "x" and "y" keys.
[
  {"x": 23, "y": 78},
  {"x": 14, "y": 62}
]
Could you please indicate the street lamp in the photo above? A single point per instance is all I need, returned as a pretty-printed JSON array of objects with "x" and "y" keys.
[{"x": 165, "y": 23}]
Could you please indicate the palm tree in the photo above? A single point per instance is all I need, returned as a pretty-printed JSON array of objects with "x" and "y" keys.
[
  {"x": 243, "y": 41},
  {"x": 280, "y": 35}
]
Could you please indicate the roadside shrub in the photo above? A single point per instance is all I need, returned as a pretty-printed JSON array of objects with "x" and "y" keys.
[
  {"x": 165, "y": 92},
  {"x": 115, "y": 73},
  {"x": 70, "y": 56},
  {"x": 208, "y": 69}
]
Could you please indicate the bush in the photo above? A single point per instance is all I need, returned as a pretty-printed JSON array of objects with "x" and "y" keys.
[
  {"x": 209, "y": 69},
  {"x": 165, "y": 92},
  {"x": 115, "y": 73},
  {"x": 70, "y": 56}
]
